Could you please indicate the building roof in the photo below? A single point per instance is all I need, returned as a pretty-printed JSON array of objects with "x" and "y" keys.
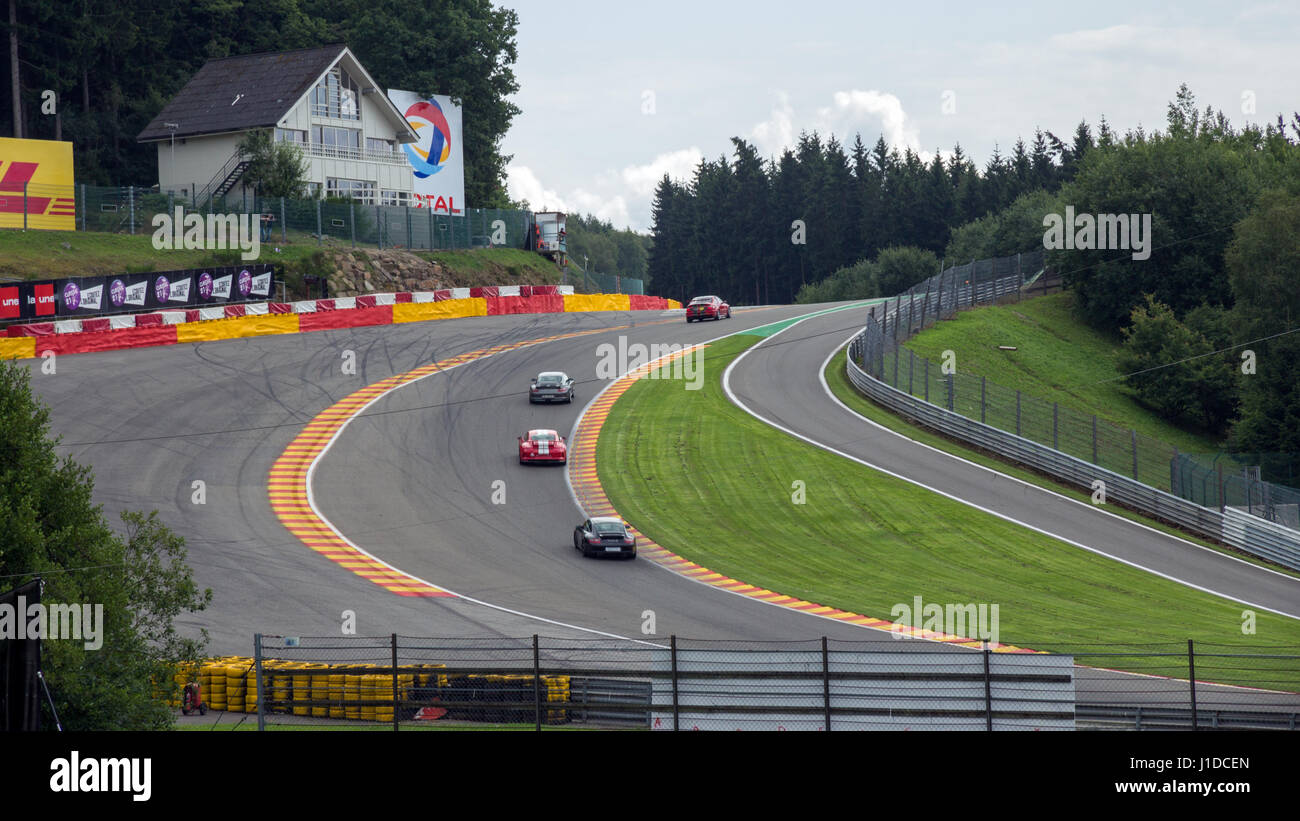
[{"x": 242, "y": 93}]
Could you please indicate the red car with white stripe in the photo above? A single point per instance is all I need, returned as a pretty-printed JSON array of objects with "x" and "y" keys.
[{"x": 545, "y": 446}]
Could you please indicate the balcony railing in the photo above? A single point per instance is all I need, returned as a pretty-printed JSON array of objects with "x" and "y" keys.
[{"x": 339, "y": 152}]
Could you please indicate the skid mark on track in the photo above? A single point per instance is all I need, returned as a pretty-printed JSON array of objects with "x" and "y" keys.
[{"x": 289, "y": 482}]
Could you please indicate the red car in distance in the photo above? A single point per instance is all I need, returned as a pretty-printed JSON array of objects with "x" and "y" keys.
[
  {"x": 545, "y": 446},
  {"x": 707, "y": 307}
]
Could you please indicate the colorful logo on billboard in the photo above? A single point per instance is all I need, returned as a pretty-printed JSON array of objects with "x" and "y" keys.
[
  {"x": 434, "y": 148},
  {"x": 205, "y": 285},
  {"x": 117, "y": 293},
  {"x": 71, "y": 296},
  {"x": 36, "y": 185}
]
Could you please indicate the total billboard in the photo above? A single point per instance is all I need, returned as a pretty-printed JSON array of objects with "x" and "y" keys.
[
  {"x": 437, "y": 159},
  {"x": 36, "y": 189}
]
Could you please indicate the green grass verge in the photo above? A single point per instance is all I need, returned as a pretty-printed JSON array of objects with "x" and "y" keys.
[
  {"x": 53, "y": 254},
  {"x": 672, "y": 459},
  {"x": 839, "y": 384},
  {"x": 1059, "y": 359}
]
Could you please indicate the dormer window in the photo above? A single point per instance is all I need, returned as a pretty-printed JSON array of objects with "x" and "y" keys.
[{"x": 337, "y": 95}]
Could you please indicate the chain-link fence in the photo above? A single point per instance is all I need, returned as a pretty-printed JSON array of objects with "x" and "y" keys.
[
  {"x": 131, "y": 210},
  {"x": 1112, "y": 447},
  {"x": 403, "y": 683}
]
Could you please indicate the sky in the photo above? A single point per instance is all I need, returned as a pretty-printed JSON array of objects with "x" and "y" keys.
[{"x": 615, "y": 95}]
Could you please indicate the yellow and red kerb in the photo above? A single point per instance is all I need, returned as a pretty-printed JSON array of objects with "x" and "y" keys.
[{"x": 592, "y": 498}]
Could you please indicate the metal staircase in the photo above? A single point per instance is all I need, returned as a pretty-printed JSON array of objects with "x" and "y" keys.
[{"x": 222, "y": 181}]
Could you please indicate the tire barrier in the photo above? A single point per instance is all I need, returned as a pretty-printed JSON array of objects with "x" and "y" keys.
[{"x": 365, "y": 692}]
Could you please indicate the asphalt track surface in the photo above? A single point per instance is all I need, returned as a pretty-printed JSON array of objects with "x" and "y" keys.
[{"x": 411, "y": 479}]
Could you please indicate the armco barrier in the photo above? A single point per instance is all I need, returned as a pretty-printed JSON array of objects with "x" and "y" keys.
[{"x": 1282, "y": 545}]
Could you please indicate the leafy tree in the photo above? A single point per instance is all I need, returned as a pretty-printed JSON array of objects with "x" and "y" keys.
[
  {"x": 275, "y": 169},
  {"x": 53, "y": 531},
  {"x": 1263, "y": 263},
  {"x": 1172, "y": 370}
]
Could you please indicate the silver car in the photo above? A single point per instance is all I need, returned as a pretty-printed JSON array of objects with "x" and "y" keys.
[{"x": 551, "y": 386}]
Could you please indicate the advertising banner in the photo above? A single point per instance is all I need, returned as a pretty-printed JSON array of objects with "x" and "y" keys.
[
  {"x": 127, "y": 293},
  {"x": 438, "y": 159},
  {"x": 42, "y": 171}
]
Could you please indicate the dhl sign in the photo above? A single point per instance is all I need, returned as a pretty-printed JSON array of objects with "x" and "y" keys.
[{"x": 43, "y": 170}]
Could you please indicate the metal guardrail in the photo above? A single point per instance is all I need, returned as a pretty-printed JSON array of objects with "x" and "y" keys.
[
  {"x": 867, "y": 353},
  {"x": 1105, "y": 717}
]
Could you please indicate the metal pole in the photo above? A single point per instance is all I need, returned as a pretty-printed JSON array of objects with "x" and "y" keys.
[
  {"x": 1134, "y": 435},
  {"x": 393, "y": 641},
  {"x": 927, "y": 379},
  {"x": 911, "y": 366},
  {"x": 983, "y": 393},
  {"x": 257, "y": 667},
  {"x": 952, "y": 379},
  {"x": 1191, "y": 678},
  {"x": 318, "y": 226},
  {"x": 130, "y": 196},
  {"x": 1094, "y": 439},
  {"x": 1055, "y": 425},
  {"x": 988, "y": 690},
  {"x": 430, "y": 221},
  {"x": 379, "y": 229},
  {"x": 1017, "y": 413},
  {"x": 84, "y": 207},
  {"x": 672, "y": 647},
  {"x": 826, "y": 682},
  {"x": 537, "y": 684},
  {"x": 284, "y": 224},
  {"x": 352, "y": 220},
  {"x": 1223, "y": 503}
]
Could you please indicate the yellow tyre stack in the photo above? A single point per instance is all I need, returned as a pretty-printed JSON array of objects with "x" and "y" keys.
[
  {"x": 352, "y": 695},
  {"x": 281, "y": 687},
  {"x": 216, "y": 693},
  {"x": 334, "y": 694},
  {"x": 236, "y": 676},
  {"x": 320, "y": 691}
]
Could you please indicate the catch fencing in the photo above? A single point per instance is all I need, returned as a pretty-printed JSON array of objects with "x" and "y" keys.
[
  {"x": 1138, "y": 471},
  {"x": 405, "y": 683}
]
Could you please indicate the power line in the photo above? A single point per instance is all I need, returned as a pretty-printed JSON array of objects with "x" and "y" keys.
[{"x": 1199, "y": 356}]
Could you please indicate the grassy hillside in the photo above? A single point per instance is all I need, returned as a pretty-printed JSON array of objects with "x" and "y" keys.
[
  {"x": 53, "y": 254},
  {"x": 1058, "y": 359}
]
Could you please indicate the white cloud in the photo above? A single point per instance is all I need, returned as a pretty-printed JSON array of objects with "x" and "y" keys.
[
  {"x": 523, "y": 184},
  {"x": 1094, "y": 40},
  {"x": 679, "y": 165},
  {"x": 850, "y": 113},
  {"x": 776, "y": 133}
]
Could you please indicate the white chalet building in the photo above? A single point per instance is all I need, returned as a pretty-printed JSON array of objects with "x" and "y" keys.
[{"x": 320, "y": 99}]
